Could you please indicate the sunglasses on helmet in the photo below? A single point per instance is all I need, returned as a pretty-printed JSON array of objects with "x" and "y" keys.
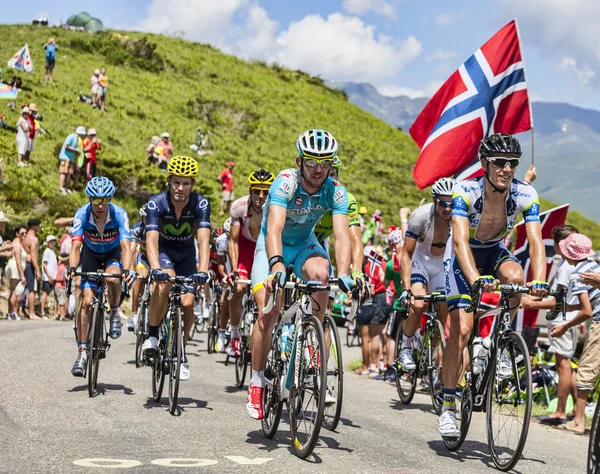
[
  {"x": 324, "y": 164},
  {"x": 502, "y": 162},
  {"x": 100, "y": 200}
]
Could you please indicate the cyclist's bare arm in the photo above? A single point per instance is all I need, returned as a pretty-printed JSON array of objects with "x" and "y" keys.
[
  {"x": 233, "y": 247},
  {"x": 357, "y": 248},
  {"x": 222, "y": 266},
  {"x": 342, "y": 243},
  {"x": 203, "y": 237},
  {"x": 152, "y": 248},
  {"x": 460, "y": 235},
  {"x": 74, "y": 255},
  {"x": 133, "y": 247},
  {"x": 406, "y": 261},
  {"x": 275, "y": 224},
  {"x": 537, "y": 250},
  {"x": 64, "y": 221},
  {"x": 126, "y": 254}
]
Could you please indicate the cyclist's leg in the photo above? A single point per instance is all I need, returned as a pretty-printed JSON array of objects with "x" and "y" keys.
[
  {"x": 112, "y": 262},
  {"x": 508, "y": 270},
  {"x": 159, "y": 301},
  {"x": 312, "y": 262}
]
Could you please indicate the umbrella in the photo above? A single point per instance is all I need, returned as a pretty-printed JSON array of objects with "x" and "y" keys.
[
  {"x": 22, "y": 60},
  {"x": 8, "y": 92}
]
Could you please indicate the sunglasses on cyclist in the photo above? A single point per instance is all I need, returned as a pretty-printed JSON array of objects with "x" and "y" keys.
[
  {"x": 324, "y": 164},
  {"x": 258, "y": 191},
  {"x": 502, "y": 162},
  {"x": 100, "y": 201},
  {"x": 444, "y": 204}
]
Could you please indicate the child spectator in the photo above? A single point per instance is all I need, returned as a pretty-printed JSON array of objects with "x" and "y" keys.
[
  {"x": 60, "y": 288},
  {"x": 49, "y": 267},
  {"x": 583, "y": 284},
  {"x": 91, "y": 145}
]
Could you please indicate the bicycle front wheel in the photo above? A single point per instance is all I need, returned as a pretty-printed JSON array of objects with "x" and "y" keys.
[
  {"x": 335, "y": 374},
  {"x": 176, "y": 356},
  {"x": 594, "y": 446},
  {"x": 508, "y": 403},
  {"x": 158, "y": 375},
  {"x": 93, "y": 362},
  {"x": 241, "y": 363},
  {"x": 406, "y": 381},
  {"x": 141, "y": 332},
  {"x": 464, "y": 410},
  {"x": 212, "y": 327},
  {"x": 271, "y": 400},
  {"x": 307, "y": 393},
  {"x": 436, "y": 343}
]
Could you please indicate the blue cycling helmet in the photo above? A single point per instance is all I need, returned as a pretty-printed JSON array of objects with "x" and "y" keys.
[{"x": 100, "y": 186}]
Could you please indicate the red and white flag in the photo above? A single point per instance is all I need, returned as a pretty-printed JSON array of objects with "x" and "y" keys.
[{"x": 486, "y": 95}]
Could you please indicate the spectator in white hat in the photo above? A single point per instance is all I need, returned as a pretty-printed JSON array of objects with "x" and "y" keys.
[
  {"x": 164, "y": 149},
  {"x": 49, "y": 266},
  {"x": 70, "y": 151}
]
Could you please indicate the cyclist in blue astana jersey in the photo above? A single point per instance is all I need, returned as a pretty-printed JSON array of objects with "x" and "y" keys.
[
  {"x": 484, "y": 211},
  {"x": 297, "y": 200},
  {"x": 174, "y": 218},
  {"x": 142, "y": 267},
  {"x": 100, "y": 240}
]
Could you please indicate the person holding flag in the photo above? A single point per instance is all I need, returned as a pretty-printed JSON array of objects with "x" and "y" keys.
[{"x": 484, "y": 210}]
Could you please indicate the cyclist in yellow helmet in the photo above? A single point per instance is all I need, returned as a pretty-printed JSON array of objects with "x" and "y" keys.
[
  {"x": 174, "y": 219},
  {"x": 246, "y": 216}
]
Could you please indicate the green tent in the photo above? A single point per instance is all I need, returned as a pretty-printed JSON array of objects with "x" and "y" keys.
[
  {"x": 81, "y": 19},
  {"x": 84, "y": 20},
  {"x": 94, "y": 26}
]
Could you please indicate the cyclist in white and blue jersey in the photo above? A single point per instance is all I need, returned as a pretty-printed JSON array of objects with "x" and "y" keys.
[
  {"x": 100, "y": 240},
  {"x": 297, "y": 200},
  {"x": 484, "y": 211}
]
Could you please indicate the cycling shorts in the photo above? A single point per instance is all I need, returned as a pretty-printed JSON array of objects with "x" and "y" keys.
[
  {"x": 246, "y": 249},
  {"x": 293, "y": 256},
  {"x": 429, "y": 273},
  {"x": 141, "y": 262},
  {"x": 488, "y": 261},
  {"x": 92, "y": 261},
  {"x": 180, "y": 262}
]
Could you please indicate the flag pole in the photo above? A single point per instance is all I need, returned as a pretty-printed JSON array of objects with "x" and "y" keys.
[{"x": 528, "y": 101}]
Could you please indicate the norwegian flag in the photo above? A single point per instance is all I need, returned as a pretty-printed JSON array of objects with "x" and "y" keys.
[
  {"x": 486, "y": 95},
  {"x": 549, "y": 220}
]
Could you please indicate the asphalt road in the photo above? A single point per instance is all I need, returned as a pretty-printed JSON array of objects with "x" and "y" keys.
[{"x": 49, "y": 424}]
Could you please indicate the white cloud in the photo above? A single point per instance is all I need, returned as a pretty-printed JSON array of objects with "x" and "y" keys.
[
  {"x": 257, "y": 38},
  {"x": 361, "y": 7},
  {"x": 344, "y": 48},
  {"x": 584, "y": 74},
  {"x": 562, "y": 29},
  {"x": 440, "y": 55},
  {"x": 449, "y": 18},
  {"x": 395, "y": 91}
]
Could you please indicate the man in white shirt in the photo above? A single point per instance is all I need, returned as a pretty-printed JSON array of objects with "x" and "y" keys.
[{"x": 49, "y": 268}]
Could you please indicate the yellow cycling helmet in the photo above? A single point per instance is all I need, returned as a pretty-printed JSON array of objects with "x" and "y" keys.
[
  {"x": 183, "y": 166},
  {"x": 260, "y": 177}
]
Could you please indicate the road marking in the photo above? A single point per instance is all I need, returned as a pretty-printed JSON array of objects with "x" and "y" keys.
[
  {"x": 244, "y": 460},
  {"x": 182, "y": 462},
  {"x": 102, "y": 463}
]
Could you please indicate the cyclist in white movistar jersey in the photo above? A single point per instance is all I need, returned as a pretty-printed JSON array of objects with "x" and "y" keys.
[{"x": 422, "y": 260}]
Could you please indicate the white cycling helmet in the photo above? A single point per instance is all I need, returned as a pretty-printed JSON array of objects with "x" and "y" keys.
[
  {"x": 227, "y": 225},
  {"x": 443, "y": 187},
  {"x": 316, "y": 143}
]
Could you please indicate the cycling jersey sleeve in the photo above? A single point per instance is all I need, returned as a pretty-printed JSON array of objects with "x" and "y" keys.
[
  {"x": 460, "y": 201},
  {"x": 123, "y": 222},
  {"x": 531, "y": 204},
  {"x": 282, "y": 190},
  {"x": 153, "y": 213},
  {"x": 353, "y": 217},
  {"x": 418, "y": 222},
  {"x": 202, "y": 213},
  {"x": 135, "y": 232},
  {"x": 238, "y": 211},
  {"x": 340, "y": 200},
  {"x": 77, "y": 235},
  {"x": 221, "y": 244}
]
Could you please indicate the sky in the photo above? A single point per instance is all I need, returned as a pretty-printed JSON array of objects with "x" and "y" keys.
[{"x": 402, "y": 47}]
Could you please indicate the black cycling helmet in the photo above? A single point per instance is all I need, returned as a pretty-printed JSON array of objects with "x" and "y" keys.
[{"x": 500, "y": 144}]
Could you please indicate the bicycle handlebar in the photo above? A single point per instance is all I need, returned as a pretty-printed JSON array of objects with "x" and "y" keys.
[
  {"x": 506, "y": 290},
  {"x": 235, "y": 284},
  {"x": 305, "y": 287}
]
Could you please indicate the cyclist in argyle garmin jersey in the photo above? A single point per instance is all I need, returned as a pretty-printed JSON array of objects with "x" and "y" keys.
[
  {"x": 142, "y": 267},
  {"x": 175, "y": 218},
  {"x": 484, "y": 211},
  {"x": 246, "y": 216},
  {"x": 422, "y": 261},
  {"x": 100, "y": 240},
  {"x": 297, "y": 200}
]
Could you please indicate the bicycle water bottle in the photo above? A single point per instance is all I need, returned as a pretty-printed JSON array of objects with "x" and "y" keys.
[
  {"x": 285, "y": 332},
  {"x": 481, "y": 348}
]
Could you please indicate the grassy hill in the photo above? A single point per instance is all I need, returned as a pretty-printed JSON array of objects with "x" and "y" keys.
[{"x": 254, "y": 112}]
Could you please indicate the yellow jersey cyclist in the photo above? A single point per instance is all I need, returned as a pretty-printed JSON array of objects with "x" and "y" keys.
[
  {"x": 246, "y": 216},
  {"x": 484, "y": 211},
  {"x": 100, "y": 240},
  {"x": 142, "y": 267},
  {"x": 297, "y": 200},
  {"x": 422, "y": 261},
  {"x": 174, "y": 218}
]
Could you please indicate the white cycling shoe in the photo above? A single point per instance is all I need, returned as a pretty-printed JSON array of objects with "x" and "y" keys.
[
  {"x": 184, "y": 371},
  {"x": 407, "y": 359},
  {"x": 220, "y": 345},
  {"x": 131, "y": 323},
  {"x": 504, "y": 368},
  {"x": 150, "y": 347},
  {"x": 329, "y": 398},
  {"x": 447, "y": 425}
]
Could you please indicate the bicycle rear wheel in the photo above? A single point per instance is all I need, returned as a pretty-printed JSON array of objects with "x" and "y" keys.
[
  {"x": 406, "y": 381},
  {"x": 594, "y": 446},
  {"x": 335, "y": 374},
  {"x": 93, "y": 361},
  {"x": 158, "y": 375},
  {"x": 308, "y": 392},
  {"x": 241, "y": 363},
  {"x": 212, "y": 327},
  {"x": 434, "y": 371},
  {"x": 176, "y": 355},
  {"x": 508, "y": 403},
  {"x": 272, "y": 402}
]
